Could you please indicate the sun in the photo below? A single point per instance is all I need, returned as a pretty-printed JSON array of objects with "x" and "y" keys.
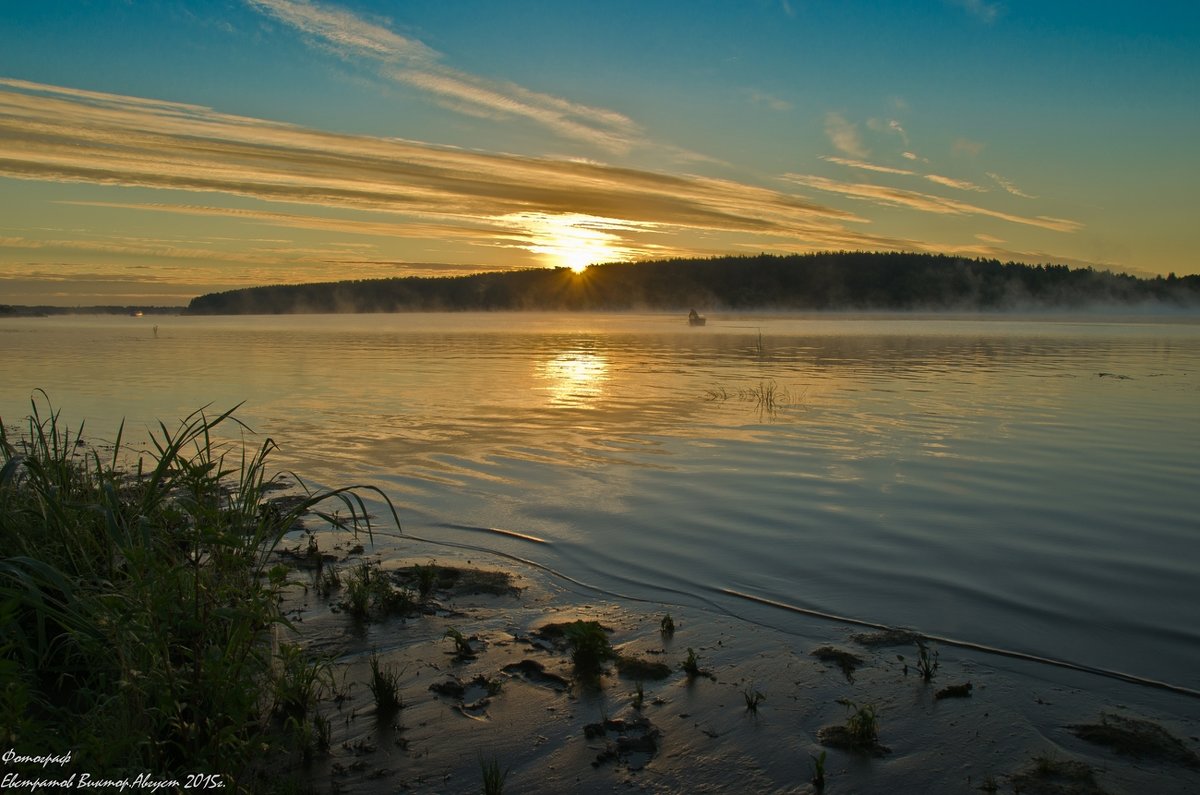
[{"x": 572, "y": 240}]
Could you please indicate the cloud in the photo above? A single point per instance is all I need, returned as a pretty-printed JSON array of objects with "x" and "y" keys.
[
  {"x": 842, "y": 161},
  {"x": 924, "y": 202},
  {"x": 957, "y": 184},
  {"x": 1008, "y": 186},
  {"x": 408, "y": 189},
  {"x": 981, "y": 10},
  {"x": 844, "y": 136},
  {"x": 404, "y": 60}
]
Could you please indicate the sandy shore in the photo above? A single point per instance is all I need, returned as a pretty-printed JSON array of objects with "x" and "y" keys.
[{"x": 519, "y": 701}]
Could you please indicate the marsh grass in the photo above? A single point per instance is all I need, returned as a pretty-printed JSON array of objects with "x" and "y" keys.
[
  {"x": 385, "y": 687},
  {"x": 493, "y": 776},
  {"x": 766, "y": 396},
  {"x": 137, "y": 604},
  {"x": 370, "y": 594}
]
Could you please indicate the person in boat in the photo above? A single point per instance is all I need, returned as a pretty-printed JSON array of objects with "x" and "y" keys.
[{"x": 693, "y": 316}]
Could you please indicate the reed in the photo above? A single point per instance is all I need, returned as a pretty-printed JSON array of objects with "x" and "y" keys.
[{"x": 137, "y": 605}]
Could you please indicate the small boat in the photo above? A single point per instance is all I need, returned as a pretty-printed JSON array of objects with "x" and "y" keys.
[
  {"x": 696, "y": 319},
  {"x": 136, "y": 313}
]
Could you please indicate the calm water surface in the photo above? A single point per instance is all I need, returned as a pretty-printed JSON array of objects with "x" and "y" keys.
[{"x": 1025, "y": 484}]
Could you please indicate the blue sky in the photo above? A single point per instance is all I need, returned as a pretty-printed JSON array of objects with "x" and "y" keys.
[{"x": 152, "y": 151}]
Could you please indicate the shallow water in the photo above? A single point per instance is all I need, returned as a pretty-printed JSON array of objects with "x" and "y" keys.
[{"x": 1026, "y": 484}]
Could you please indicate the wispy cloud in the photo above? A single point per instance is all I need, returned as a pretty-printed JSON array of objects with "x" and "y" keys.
[
  {"x": 924, "y": 202},
  {"x": 414, "y": 190},
  {"x": 957, "y": 184},
  {"x": 408, "y": 61},
  {"x": 859, "y": 164},
  {"x": 949, "y": 182},
  {"x": 844, "y": 136},
  {"x": 1009, "y": 186},
  {"x": 980, "y": 9}
]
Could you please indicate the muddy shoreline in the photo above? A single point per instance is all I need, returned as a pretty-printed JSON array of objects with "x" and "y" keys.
[{"x": 948, "y": 720}]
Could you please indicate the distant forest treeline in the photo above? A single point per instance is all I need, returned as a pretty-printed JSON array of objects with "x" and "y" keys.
[{"x": 835, "y": 281}]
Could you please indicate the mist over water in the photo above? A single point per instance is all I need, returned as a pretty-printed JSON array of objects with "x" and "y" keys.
[{"x": 1028, "y": 484}]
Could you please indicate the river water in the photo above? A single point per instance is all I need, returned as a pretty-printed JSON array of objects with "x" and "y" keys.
[{"x": 1028, "y": 484}]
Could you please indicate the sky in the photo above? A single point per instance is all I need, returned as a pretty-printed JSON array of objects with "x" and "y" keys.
[{"x": 155, "y": 150}]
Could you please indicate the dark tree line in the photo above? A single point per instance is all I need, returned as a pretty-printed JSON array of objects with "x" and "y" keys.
[{"x": 837, "y": 281}]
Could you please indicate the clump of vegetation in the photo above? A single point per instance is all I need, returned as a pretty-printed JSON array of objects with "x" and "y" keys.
[
  {"x": 753, "y": 699},
  {"x": 818, "y": 777},
  {"x": 385, "y": 687},
  {"x": 462, "y": 644},
  {"x": 766, "y": 396},
  {"x": 493, "y": 776},
  {"x": 639, "y": 696},
  {"x": 590, "y": 647},
  {"x": 299, "y": 680},
  {"x": 927, "y": 661},
  {"x": 369, "y": 592},
  {"x": 137, "y": 604},
  {"x": 859, "y": 733},
  {"x": 691, "y": 665},
  {"x": 667, "y": 626}
]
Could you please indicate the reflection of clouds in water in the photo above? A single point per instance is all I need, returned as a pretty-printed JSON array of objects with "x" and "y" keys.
[{"x": 574, "y": 378}]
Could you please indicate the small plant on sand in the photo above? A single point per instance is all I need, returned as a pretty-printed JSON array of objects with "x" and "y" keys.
[
  {"x": 818, "y": 778},
  {"x": 589, "y": 645},
  {"x": 462, "y": 644},
  {"x": 328, "y": 581},
  {"x": 753, "y": 699},
  {"x": 493, "y": 776},
  {"x": 427, "y": 577},
  {"x": 358, "y": 590},
  {"x": 927, "y": 661},
  {"x": 667, "y": 626},
  {"x": 690, "y": 666},
  {"x": 862, "y": 726},
  {"x": 385, "y": 687},
  {"x": 639, "y": 696}
]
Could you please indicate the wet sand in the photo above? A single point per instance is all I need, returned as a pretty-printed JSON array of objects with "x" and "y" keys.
[{"x": 520, "y": 702}]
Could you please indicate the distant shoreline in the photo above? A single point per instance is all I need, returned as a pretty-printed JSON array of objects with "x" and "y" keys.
[{"x": 17, "y": 310}]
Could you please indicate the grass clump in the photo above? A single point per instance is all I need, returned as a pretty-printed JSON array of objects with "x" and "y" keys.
[
  {"x": 590, "y": 647},
  {"x": 753, "y": 699},
  {"x": 385, "y": 687},
  {"x": 493, "y": 776},
  {"x": 818, "y": 776},
  {"x": 370, "y": 594},
  {"x": 859, "y": 733},
  {"x": 137, "y": 603},
  {"x": 299, "y": 680},
  {"x": 462, "y": 644}
]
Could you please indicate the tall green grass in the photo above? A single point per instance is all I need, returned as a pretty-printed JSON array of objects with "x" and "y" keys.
[{"x": 138, "y": 604}]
